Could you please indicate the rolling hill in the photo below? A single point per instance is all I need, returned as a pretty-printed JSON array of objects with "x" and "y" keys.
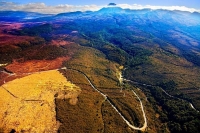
[{"x": 123, "y": 61}]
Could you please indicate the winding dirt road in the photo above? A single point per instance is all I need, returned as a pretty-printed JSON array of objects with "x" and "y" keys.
[
  {"x": 142, "y": 84},
  {"x": 106, "y": 98}
]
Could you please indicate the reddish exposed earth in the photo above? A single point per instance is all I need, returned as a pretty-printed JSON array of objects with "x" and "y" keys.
[
  {"x": 9, "y": 26},
  {"x": 36, "y": 65},
  {"x": 60, "y": 42},
  {"x": 8, "y": 39}
]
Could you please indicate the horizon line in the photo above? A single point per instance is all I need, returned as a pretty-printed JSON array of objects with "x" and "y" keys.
[{"x": 64, "y": 8}]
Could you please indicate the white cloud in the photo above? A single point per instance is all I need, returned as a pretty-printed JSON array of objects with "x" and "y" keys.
[
  {"x": 137, "y": 7},
  {"x": 42, "y": 8}
]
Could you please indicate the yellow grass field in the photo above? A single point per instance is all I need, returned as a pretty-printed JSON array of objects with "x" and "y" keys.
[{"x": 27, "y": 104}]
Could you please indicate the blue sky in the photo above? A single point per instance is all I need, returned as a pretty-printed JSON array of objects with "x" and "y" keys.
[
  {"x": 59, "y": 6},
  {"x": 187, "y": 3}
]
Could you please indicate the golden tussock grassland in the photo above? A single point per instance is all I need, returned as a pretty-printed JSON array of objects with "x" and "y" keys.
[{"x": 27, "y": 104}]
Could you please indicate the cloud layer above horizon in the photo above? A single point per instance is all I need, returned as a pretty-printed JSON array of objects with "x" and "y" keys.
[{"x": 42, "y": 8}]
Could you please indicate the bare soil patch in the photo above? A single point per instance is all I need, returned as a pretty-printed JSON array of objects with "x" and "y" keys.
[{"x": 36, "y": 65}]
